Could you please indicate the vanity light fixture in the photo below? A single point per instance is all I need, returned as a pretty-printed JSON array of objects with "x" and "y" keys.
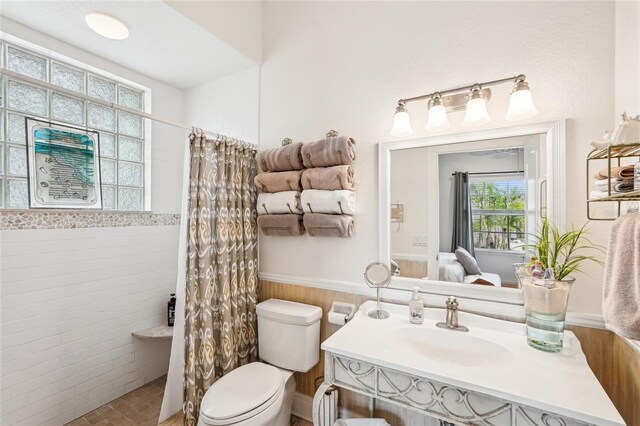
[
  {"x": 107, "y": 26},
  {"x": 401, "y": 122},
  {"x": 476, "y": 113},
  {"x": 520, "y": 102},
  {"x": 473, "y": 99},
  {"x": 437, "y": 114}
]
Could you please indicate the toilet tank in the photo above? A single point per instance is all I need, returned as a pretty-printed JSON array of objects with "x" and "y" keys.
[{"x": 289, "y": 334}]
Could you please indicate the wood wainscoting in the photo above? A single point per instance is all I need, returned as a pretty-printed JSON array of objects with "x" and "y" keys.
[
  {"x": 412, "y": 268},
  {"x": 613, "y": 361}
]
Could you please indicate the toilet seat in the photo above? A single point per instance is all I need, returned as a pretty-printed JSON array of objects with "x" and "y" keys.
[{"x": 242, "y": 394}]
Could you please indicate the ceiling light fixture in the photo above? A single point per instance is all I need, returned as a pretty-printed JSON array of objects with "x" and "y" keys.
[
  {"x": 473, "y": 99},
  {"x": 401, "y": 122},
  {"x": 437, "y": 114},
  {"x": 107, "y": 26}
]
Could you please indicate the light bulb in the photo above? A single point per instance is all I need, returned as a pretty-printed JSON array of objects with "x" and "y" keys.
[
  {"x": 520, "y": 103},
  {"x": 476, "y": 109},
  {"x": 401, "y": 123},
  {"x": 437, "y": 115}
]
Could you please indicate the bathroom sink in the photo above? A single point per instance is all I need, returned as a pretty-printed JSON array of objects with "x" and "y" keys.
[{"x": 454, "y": 347}]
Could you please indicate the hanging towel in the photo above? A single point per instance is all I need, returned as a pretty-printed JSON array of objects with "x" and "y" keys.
[
  {"x": 330, "y": 202},
  {"x": 625, "y": 172},
  {"x": 330, "y": 178},
  {"x": 282, "y": 159},
  {"x": 284, "y": 225},
  {"x": 330, "y": 225},
  {"x": 621, "y": 287},
  {"x": 279, "y": 181},
  {"x": 279, "y": 203},
  {"x": 329, "y": 152}
]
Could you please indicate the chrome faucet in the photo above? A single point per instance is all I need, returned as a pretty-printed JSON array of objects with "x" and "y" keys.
[{"x": 451, "y": 321}]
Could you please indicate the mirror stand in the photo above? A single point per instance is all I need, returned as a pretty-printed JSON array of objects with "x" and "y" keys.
[
  {"x": 378, "y": 313},
  {"x": 377, "y": 275}
]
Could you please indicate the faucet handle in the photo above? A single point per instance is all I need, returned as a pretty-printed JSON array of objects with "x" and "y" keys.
[{"x": 452, "y": 303}]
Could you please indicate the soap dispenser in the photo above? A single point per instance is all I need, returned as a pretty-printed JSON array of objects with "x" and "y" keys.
[{"x": 416, "y": 307}]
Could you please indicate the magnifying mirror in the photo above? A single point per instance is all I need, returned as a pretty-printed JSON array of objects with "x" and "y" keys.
[{"x": 377, "y": 275}]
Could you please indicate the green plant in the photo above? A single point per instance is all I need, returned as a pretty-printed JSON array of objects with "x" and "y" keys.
[{"x": 562, "y": 252}]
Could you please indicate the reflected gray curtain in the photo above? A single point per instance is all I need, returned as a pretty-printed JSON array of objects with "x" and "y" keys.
[
  {"x": 462, "y": 225},
  {"x": 220, "y": 329}
]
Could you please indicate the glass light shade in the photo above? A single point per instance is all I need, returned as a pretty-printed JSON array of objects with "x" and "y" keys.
[
  {"x": 107, "y": 26},
  {"x": 476, "y": 113},
  {"x": 401, "y": 125},
  {"x": 521, "y": 106},
  {"x": 438, "y": 118}
]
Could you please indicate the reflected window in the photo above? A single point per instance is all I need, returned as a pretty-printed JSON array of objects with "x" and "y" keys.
[{"x": 498, "y": 211}]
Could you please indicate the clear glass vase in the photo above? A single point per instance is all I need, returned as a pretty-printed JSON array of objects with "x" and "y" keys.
[{"x": 545, "y": 303}]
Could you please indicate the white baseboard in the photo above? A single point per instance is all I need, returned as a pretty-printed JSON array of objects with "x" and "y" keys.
[{"x": 302, "y": 406}]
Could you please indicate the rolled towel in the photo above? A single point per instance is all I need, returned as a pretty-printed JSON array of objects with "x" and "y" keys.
[
  {"x": 279, "y": 181},
  {"x": 329, "y": 152},
  {"x": 330, "y": 178},
  {"x": 284, "y": 225},
  {"x": 329, "y": 225},
  {"x": 625, "y": 172},
  {"x": 282, "y": 159},
  {"x": 605, "y": 182},
  {"x": 279, "y": 203},
  {"x": 329, "y": 202}
]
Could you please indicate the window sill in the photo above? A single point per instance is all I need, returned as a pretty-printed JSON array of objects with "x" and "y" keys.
[{"x": 510, "y": 253}]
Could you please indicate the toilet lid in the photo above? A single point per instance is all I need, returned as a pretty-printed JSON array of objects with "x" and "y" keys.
[{"x": 241, "y": 391}]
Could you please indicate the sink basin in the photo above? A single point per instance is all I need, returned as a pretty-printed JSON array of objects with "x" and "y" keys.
[{"x": 454, "y": 347}]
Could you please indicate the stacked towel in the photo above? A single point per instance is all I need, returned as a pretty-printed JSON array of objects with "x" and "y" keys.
[
  {"x": 329, "y": 225},
  {"x": 621, "y": 287},
  {"x": 329, "y": 152},
  {"x": 285, "y": 202},
  {"x": 328, "y": 199},
  {"x": 284, "y": 225},
  {"x": 279, "y": 209},
  {"x": 279, "y": 181},
  {"x": 329, "y": 202},
  {"x": 621, "y": 181},
  {"x": 282, "y": 159},
  {"x": 329, "y": 178}
]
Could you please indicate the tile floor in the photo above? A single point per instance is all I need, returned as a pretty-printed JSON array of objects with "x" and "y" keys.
[{"x": 141, "y": 407}]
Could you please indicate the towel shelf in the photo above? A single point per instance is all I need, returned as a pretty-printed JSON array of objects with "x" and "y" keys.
[
  {"x": 613, "y": 155},
  {"x": 159, "y": 332}
]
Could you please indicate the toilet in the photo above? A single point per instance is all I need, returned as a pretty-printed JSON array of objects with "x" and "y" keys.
[{"x": 261, "y": 393}]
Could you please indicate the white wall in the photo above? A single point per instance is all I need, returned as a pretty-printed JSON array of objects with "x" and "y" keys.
[
  {"x": 343, "y": 66},
  {"x": 409, "y": 187},
  {"x": 71, "y": 297},
  {"x": 627, "y": 58}
]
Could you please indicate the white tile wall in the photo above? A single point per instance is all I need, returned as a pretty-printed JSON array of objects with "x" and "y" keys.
[{"x": 70, "y": 299}]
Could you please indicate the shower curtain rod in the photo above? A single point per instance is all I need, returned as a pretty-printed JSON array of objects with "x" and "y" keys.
[{"x": 62, "y": 90}]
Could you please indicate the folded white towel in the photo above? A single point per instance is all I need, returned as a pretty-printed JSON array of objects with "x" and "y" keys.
[
  {"x": 329, "y": 202},
  {"x": 621, "y": 287},
  {"x": 595, "y": 195},
  {"x": 605, "y": 182},
  {"x": 285, "y": 202}
]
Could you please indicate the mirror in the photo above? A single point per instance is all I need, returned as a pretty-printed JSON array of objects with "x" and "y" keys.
[
  {"x": 377, "y": 275},
  {"x": 459, "y": 209}
]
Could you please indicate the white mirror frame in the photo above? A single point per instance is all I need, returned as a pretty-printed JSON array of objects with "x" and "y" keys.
[{"x": 555, "y": 199}]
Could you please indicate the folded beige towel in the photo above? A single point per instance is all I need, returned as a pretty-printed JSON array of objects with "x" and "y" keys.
[
  {"x": 285, "y": 225},
  {"x": 279, "y": 181},
  {"x": 330, "y": 202},
  {"x": 330, "y": 225},
  {"x": 329, "y": 152},
  {"x": 621, "y": 287},
  {"x": 625, "y": 172},
  {"x": 282, "y": 159},
  {"x": 279, "y": 203},
  {"x": 330, "y": 178}
]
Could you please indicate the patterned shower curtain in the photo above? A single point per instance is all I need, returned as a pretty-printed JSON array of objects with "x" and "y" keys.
[{"x": 221, "y": 284}]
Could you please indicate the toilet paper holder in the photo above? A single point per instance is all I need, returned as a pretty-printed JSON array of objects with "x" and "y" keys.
[{"x": 340, "y": 312}]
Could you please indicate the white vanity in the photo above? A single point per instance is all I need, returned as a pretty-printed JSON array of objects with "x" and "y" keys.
[{"x": 486, "y": 376}]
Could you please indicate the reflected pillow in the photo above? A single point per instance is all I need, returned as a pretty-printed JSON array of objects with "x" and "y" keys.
[{"x": 467, "y": 261}]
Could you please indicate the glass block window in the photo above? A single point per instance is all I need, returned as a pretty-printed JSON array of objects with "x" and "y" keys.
[{"x": 122, "y": 135}]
